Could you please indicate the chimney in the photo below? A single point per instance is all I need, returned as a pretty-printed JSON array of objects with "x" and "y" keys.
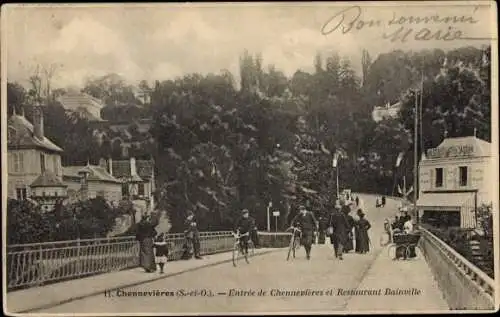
[
  {"x": 102, "y": 163},
  {"x": 38, "y": 121},
  {"x": 133, "y": 169},
  {"x": 110, "y": 166}
]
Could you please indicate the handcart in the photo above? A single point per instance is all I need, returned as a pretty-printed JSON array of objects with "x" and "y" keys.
[{"x": 403, "y": 245}]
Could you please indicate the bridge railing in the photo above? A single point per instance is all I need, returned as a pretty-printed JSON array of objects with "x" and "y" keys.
[
  {"x": 36, "y": 264},
  {"x": 464, "y": 286}
]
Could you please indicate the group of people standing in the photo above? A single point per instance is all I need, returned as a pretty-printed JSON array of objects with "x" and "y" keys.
[
  {"x": 380, "y": 202},
  {"x": 342, "y": 228}
]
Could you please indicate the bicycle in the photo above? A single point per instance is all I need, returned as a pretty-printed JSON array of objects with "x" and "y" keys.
[
  {"x": 238, "y": 250},
  {"x": 294, "y": 241}
]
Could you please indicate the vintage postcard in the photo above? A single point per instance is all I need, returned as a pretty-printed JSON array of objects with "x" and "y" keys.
[{"x": 250, "y": 158}]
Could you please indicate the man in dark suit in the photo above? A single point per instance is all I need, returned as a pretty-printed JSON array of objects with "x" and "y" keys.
[{"x": 340, "y": 226}]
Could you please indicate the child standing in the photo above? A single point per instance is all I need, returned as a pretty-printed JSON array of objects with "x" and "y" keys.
[{"x": 161, "y": 251}]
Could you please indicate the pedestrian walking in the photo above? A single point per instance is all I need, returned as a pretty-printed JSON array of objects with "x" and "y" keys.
[
  {"x": 362, "y": 227},
  {"x": 346, "y": 209},
  {"x": 161, "y": 248},
  {"x": 383, "y": 201},
  {"x": 145, "y": 235},
  {"x": 338, "y": 227},
  {"x": 192, "y": 234},
  {"x": 357, "y": 201},
  {"x": 377, "y": 203}
]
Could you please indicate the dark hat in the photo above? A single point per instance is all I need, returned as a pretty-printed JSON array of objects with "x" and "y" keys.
[
  {"x": 190, "y": 213},
  {"x": 360, "y": 213},
  {"x": 245, "y": 211}
]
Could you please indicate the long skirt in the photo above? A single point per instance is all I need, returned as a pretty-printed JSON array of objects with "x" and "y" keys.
[
  {"x": 348, "y": 246},
  {"x": 147, "y": 256},
  {"x": 364, "y": 241}
]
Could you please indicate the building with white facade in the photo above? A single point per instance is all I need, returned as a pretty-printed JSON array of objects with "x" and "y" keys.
[
  {"x": 84, "y": 104},
  {"x": 454, "y": 179},
  {"x": 34, "y": 162}
]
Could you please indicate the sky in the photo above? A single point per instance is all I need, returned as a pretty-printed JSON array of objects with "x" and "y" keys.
[{"x": 162, "y": 41}]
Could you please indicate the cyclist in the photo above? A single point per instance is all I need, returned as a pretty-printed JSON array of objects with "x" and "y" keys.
[
  {"x": 307, "y": 223},
  {"x": 244, "y": 225}
]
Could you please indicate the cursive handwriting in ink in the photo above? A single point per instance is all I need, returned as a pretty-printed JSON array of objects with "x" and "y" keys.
[
  {"x": 354, "y": 22},
  {"x": 424, "y": 34},
  {"x": 434, "y": 19},
  {"x": 404, "y": 28}
]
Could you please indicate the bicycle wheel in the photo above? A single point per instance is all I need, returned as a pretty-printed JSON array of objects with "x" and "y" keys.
[
  {"x": 408, "y": 252},
  {"x": 236, "y": 251},
  {"x": 296, "y": 246},
  {"x": 291, "y": 247},
  {"x": 391, "y": 251},
  {"x": 251, "y": 248}
]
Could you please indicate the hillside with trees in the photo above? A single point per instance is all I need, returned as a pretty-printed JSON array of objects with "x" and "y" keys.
[{"x": 222, "y": 146}]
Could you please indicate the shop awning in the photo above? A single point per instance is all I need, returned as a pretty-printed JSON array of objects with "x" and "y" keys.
[{"x": 444, "y": 201}]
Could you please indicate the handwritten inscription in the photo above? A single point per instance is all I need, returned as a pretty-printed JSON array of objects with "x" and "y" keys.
[{"x": 402, "y": 28}]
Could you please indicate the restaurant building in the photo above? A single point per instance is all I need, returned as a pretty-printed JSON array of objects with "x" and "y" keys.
[{"x": 454, "y": 180}]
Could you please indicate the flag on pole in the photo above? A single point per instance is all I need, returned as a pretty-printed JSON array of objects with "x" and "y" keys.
[
  {"x": 399, "y": 159},
  {"x": 324, "y": 149},
  {"x": 409, "y": 191},
  {"x": 335, "y": 159}
]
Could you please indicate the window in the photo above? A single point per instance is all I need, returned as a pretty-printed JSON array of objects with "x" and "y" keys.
[
  {"x": 124, "y": 189},
  {"x": 21, "y": 193},
  {"x": 18, "y": 162},
  {"x": 141, "y": 190},
  {"x": 42, "y": 162},
  {"x": 439, "y": 177},
  {"x": 463, "y": 175}
]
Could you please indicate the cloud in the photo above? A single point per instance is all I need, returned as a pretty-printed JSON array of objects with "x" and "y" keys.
[{"x": 162, "y": 42}]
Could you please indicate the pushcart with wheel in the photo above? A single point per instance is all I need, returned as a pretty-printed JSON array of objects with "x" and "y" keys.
[{"x": 403, "y": 245}]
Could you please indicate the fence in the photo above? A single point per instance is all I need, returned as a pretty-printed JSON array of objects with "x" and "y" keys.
[
  {"x": 41, "y": 263},
  {"x": 465, "y": 287}
]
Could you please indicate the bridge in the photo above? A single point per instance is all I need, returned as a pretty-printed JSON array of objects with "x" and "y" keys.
[{"x": 62, "y": 278}]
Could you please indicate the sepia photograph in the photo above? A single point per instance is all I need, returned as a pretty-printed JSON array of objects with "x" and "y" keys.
[{"x": 250, "y": 158}]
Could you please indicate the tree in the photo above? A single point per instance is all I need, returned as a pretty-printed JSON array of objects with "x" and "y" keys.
[{"x": 16, "y": 98}]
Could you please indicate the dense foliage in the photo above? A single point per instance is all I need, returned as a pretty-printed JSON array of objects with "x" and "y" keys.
[
  {"x": 94, "y": 218},
  {"x": 219, "y": 148}
]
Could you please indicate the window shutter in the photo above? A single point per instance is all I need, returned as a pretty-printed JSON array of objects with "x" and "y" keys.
[{"x": 432, "y": 181}]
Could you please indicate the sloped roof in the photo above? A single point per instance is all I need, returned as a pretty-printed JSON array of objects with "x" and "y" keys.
[
  {"x": 480, "y": 147},
  {"x": 145, "y": 168},
  {"x": 47, "y": 179},
  {"x": 76, "y": 101},
  {"x": 96, "y": 173},
  {"x": 22, "y": 135}
]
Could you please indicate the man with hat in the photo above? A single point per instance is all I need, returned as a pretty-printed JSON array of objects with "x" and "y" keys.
[
  {"x": 192, "y": 233},
  {"x": 244, "y": 224},
  {"x": 307, "y": 223},
  {"x": 340, "y": 230}
]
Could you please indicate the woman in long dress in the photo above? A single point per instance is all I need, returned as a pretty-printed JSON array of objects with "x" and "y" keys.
[
  {"x": 145, "y": 235},
  {"x": 363, "y": 226}
]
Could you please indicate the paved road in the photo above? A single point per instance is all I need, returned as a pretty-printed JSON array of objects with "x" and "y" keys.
[{"x": 270, "y": 273}]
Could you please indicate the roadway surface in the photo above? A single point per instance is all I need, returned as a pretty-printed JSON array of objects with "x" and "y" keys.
[{"x": 321, "y": 278}]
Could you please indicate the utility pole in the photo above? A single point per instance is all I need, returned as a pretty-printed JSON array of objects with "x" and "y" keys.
[{"x": 415, "y": 157}]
